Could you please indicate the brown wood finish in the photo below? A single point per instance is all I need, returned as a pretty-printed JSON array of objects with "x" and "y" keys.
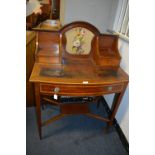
[
  {"x": 31, "y": 21},
  {"x": 46, "y": 11},
  {"x": 55, "y": 9},
  {"x": 108, "y": 51},
  {"x": 93, "y": 75},
  {"x": 53, "y": 119},
  {"x": 48, "y": 47},
  {"x": 48, "y": 25},
  {"x": 97, "y": 117},
  {"x": 30, "y": 59},
  {"x": 34, "y": 19},
  {"x": 80, "y": 90},
  {"x": 116, "y": 103},
  {"x": 76, "y": 108},
  {"x": 67, "y": 58},
  {"x": 38, "y": 109}
]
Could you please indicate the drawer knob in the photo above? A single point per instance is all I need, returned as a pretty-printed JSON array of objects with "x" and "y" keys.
[
  {"x": 56, "y": 90},
  {"x": 109, "y": 88}
]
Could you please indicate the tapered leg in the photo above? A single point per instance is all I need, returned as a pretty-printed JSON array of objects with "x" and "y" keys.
[
  {"x": 116, "y": 103},
  {"x": 38, "y": 108}
]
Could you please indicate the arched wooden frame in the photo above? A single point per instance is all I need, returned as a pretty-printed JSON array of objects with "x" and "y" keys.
[{"x": 66, "y": 57}]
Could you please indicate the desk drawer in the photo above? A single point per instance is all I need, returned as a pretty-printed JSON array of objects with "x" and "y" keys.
[{"x": 74, "y": 90}]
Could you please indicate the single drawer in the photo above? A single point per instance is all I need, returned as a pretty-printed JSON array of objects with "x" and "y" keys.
[{"x": 80, "y": 90}]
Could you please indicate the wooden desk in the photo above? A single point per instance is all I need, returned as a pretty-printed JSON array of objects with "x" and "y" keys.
[
  {"x": 72, "y": 81},
  {"x": 80, "y": 78}
]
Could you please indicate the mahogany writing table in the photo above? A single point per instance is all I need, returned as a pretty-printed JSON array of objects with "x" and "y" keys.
[
  {"x": 71, "y": 81},
  {"x": 79, "y": 76}
]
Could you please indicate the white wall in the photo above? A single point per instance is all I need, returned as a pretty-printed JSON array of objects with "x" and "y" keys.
[
  {"x": 122, "y": 115},
  {"x": 62, "y": 11},
  {"x": 113, "y": 11},
  {"x": 102, "y": 14}
]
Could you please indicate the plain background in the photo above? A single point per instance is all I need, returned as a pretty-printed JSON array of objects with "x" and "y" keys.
[{"x": 13, "y": 77}]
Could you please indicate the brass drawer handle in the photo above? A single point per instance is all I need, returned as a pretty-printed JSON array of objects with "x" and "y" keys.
[
  {"x": 110, "y": 88},
  {"x": 56, "y": 90}
]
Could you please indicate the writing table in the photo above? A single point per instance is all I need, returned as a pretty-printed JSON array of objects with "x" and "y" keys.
[
  {"x": 58, "y": 73},
  {"x": 70, "y": 80}
]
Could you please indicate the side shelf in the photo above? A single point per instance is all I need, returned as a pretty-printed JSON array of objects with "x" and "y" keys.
[
  {"x": 48, "y": 47},
  {"x": 108, "y": 55}
]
